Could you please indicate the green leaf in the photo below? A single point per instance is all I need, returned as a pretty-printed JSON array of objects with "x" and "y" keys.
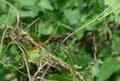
[
  {"x": 7, "y": 19},
  {"x": 45, "y": 4},
  {"x": 115, "y": 8},
  {"x": 64, "y": 3},
  {"x": 117, "y": 43},
  {"x": 31, "y": 12},
  {"x": 98, "y": 5},
  {"x": 109, "y": 2},
  {"x": 13, "y": 49},
  {"x": 2, "y": 19},
  {"x": 118, "y": 59},
  {"x": 80, "y": 34},
  {"x": 72, "y": 15},
  {"x": 27, "y": 2},
  {"x": 14, "y": 53},
  {"x": 49, "y": 80},
  {"x": 117, "y": 19},
  {"x": 57, "y": 77},
  {"x": 81, "y": 58},
  {"x": 2, "y": 4},
  {"x": 106, "y": 70},
  {"x": 44, "y": 30},
  {"x": 33, "y": 56},
  {"x": 117, "y": 16}
]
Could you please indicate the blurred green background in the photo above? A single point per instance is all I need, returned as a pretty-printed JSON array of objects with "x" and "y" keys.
[{"x": 100, "y": 39}]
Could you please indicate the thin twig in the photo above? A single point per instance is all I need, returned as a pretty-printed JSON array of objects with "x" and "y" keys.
[
  {"x": 8, "y": 65},
  {"x": 95, "y": 52},
  {"x": 45, "y": 72},
  {"x": 95, "y": 47},
  {"x": 39, "y": 68},
  {"x": 31, "y": 24}
]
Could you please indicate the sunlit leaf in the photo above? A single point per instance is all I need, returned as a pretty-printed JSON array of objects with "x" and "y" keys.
[
  {"x": 31, "y": 12},
  {"x": 42, "y": 29},
  {"x": 45, "y": 4},
  {"x": 72, "y": 15},
  {"x": 33, "y": 56}
]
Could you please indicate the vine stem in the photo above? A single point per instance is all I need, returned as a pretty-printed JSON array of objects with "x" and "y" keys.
[{"x": 3, "y": 36}]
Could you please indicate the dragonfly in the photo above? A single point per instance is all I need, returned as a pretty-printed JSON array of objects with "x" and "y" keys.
[{"x": 52, "y": 39}]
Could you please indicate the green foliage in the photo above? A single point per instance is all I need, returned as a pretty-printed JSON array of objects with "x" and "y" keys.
[
  {"x": 92, "y": 28},
  {"x": 56, "y": 77},
  {"x": 42, "y": 29},
  {"x": 45, "y": 4},
  {"x": 106, "y": 70},
  {"x": 26, "y": 3},
  {"x": 72, "y": 15},
  {"x": 33, "y": 56}
]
